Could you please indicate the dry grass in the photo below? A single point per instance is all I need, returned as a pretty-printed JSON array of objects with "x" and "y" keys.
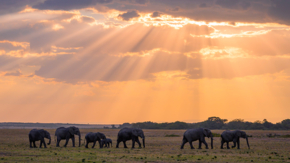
[{"x": 14, "y": 147}]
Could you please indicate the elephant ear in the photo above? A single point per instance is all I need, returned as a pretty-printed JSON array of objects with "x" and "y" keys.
[
  {"x": 71, "y": 130},
  {"x": 42, "y": 133},
  {"x": 206, "y": 132},
  {"x": 239, "y": 133},
  {"x": 135, "y": 132}
]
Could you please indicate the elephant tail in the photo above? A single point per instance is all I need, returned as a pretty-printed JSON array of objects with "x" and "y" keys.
[
  {"x": 84, "y": 141},
  {"x": 184, "y": 138}
]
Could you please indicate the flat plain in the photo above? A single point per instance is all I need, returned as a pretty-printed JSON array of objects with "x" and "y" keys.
[{"x": 160, "y": 147}]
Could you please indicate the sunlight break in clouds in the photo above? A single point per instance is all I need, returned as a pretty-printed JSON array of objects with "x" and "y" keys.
[{"x": 97, "y": 61}]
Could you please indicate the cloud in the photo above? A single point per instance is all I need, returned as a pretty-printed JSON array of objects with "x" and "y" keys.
[
  {"x": 69, "y": 4},
  {"x": 279, "y": 10},
  {"x": 15, "y": 73},
  {"x": 203, "y": 5},
  {"x": 156, "y": 14},
  {"x": 129, "y": 15},
  {"x": 254, "y": 11},
  {"x": 236, "y": 4},
  {"x": 13, "y": 6}
]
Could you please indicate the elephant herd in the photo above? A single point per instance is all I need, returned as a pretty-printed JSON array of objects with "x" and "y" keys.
[
  {"x": 199, "y": 134},
  {"x": 133, "y": 134}
]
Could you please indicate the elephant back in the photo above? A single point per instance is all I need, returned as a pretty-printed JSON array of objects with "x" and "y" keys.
[
  {"x": 125, "y": 132},
  {"x": 59, "y": 130},
  {"x": 227, "y": 135},
  {"x": 32, "y": 131}
]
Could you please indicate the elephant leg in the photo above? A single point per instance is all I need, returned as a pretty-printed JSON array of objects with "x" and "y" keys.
[
  {"x": 43, "y": 141},
  {"x": 133, "y": 143},
  {"x": 67, "y": 139},
  {"x": 228, "y": 145},
  {"x": 199, "y": 144},
  {"x": 87, "y": 143},
  {"x": 73, "y": 141},
  {"x": 30, "y": 143},
  {"x": 234, "y": 141},
  {"x": 40, "y": 145},
  {"x": 94, "y": 144},
  {"x": 183, "y": 142},
  {"x": 138, "y": 142},
  {"x": 204, "y": 142},
  {"x": 34, "y": 144},
  {"x": 100, "y": 144},
  {"x": 222, "y": 144},
  {"x": 238, "y": 142},
  {"x": 125, "y": 146},
  {"x": 57, "y": 143},
  {"x": 191, "y": 146},
  {"x": 117, "y": 145}
]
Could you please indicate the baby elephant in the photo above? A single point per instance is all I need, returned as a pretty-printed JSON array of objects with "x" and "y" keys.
[
  {"x": 94, "y": 137},
  {"x": 36, "y": 135},
  {"x": 106, "y": 142}
]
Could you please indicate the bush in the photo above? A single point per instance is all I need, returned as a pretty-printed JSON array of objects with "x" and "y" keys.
[
  {"x": 172, "y": 135},
  {"x": 216, "y": 135}
]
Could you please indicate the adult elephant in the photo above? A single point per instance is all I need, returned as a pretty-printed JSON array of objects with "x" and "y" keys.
[
  {"x": 233, "y": 136},
  {"x": 107, "y": 143},
  {"x": 130, "y": 134},
  {"x": 191, "y": 135},
  {"x": 36, "y": 135},
  {"x": 67, "y": 133},
  {"x": 94, "y": 137}
]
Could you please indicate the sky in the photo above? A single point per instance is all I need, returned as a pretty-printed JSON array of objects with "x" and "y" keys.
[{"x": 116, "y": 61}]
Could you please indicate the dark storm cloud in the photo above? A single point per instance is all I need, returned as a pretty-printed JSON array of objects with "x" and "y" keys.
[
  {"x": 203, "y": 5},
  {"x": 129, "y": 15},
  {"x": 258, "y": 11},
  {"x": 236, "y": 4},
  {"x": 12, "y": 6},
  {"x": 69, "y": 4},
  {"x": 280, "y": 9}
]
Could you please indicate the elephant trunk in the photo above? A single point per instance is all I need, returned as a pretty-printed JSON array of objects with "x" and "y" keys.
[
  {"x": 49, "y": 141},
  {"x": 247, "y": 142},
  {"x": 49, "y": 138},
  {"x": 211, "y": 142},
  {"x": 80, "y": 139},
  {"x": 143, "y": 142}
]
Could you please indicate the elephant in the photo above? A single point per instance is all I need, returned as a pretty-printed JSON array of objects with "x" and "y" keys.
[
  {"x": 234, "y": 136},
  {"x": 106, "y": 142},
  {"x": 36, "y": 135},
  {"x": 197, "y": 134},
  {"x": 94, "y": 137},
  {"x": 130, "y": 134},
  {"x": 67, "y": 133}
]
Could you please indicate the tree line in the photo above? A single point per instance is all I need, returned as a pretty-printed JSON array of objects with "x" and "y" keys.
[{"x": 214, "y": 123}]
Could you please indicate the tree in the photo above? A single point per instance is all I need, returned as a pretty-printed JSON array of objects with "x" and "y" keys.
[
  {"x": 286, "y": 123},
  {"x": 267, "y": 125}
]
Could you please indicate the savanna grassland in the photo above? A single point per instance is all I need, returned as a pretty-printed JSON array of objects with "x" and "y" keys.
[{"x": 161, "y": 146}]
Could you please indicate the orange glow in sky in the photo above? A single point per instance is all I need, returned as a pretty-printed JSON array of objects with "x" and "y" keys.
[{"x": 119, "y": 61}]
